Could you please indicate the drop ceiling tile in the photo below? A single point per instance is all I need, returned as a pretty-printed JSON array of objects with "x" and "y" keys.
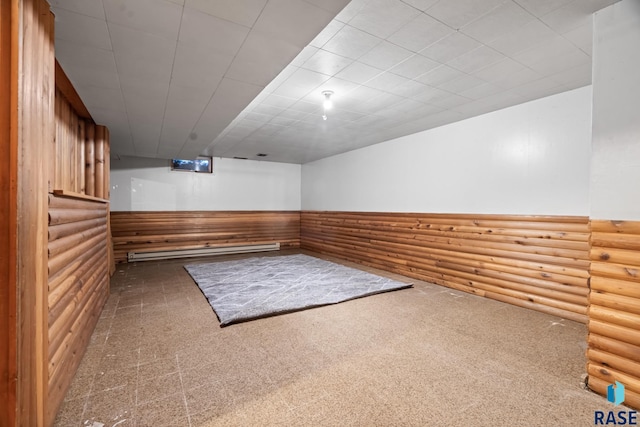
[
  {"x": 458, "y": 13},
  {"x": 439, "y": 75},
  {"x": 87, "y": 66},
  {"x": 279, "y": 101},
  {"x": 327, "y": 33},
  {"x": 351, "y": 42},
  {"x": 100, "y": 97},
  {"x": 574, "y": 14},
  {"x": 268, "y": 110},
  {"x": 385, "y": 100},
  {"x": 93, "y": 8},
  {"x": 333, "y": 6},
  {"x": 450, "y": 47},
  {"x": 542, "y": 7},
  {"x": 141, "y": 54},
  {"x": 421, "y": 4},
  {"x": 293, "y": 114},
  {"x": 552, "y": 56},
  {"x": 545, "y": 86},
  {"x": 420, "y": 33},
  {"x": 461, "y": 84},
  {"x": 82, "y": 29},
  {"x": 210, "y": 33},
  {"x": 283, "y": 121},
  {"x": 243, "y": 12},
  {"x": 574, "y": 77},
  {"x": 497, "y": 71},
  {"x": 276, "y": 82},
  {"x": 407, "y": 105},
  {"x": 409, "y": 89},
  {"x": 481, "y": 91},
  {"x": 385, "y": 55},
  {"x": 358, "y": 73},
  {"x": 300, "y": 83},
  {"x": 164, "y": 21},
  {"x": 351, "y": 10},
  {"x": 306, "y": 107},
  {"x": 261, "y": 58},
  {"x": 346, "y": 115},
  {"x": 530, "y": 35},
  {"x": 431, "y": 94},
  {"x": 339, "y": 87},
  {"x": 386, "y": 81},
  {"x": 502, "y": 20},
  {"x": 292, "y": 21},
  {"x": 383, "y": 17},
  {"x": 186, "y": 102},
  {"x": 256, "y": 117},
  {"x": 582, "y": 37},
  {"x": 414, "y": 66},
  {"x": 326, "y": 63},
  {"x": 518, "y": 78},
  {"x": 195, "y": 67},
  {"x": 476, "y": 59}
]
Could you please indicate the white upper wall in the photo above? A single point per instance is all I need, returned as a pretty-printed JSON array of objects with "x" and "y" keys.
[
  {"x": 530, "y": 159},
  {"x": 615, "y": 166},
  {"x": 140, "y": 184}
]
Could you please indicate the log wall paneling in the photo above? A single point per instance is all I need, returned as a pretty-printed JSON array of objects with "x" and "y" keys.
[
  {"x": 35, "y": 127},
  {"x": 81, "y": 162},
  {"x": 538, "y": 262},
  {"x": 614, "y": 313},
  {"x": 155, "y": 231},
  {"x": 99, "y": 182},
  {"x": 78, "y": 285},
  {"x": 90, "y": 158},
  {"x": 8, "y": 203}
]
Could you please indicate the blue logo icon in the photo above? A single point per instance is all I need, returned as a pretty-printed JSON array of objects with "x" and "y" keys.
[{"x": 615, "y": 393}]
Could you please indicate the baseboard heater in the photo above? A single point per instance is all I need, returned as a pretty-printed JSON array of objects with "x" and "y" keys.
[{"x": 187, "y": 253}]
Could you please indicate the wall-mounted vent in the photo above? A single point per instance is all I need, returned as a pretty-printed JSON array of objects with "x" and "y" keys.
[
  {"x": 240, "y": 158},
  {"x": 262, "y": 155}
]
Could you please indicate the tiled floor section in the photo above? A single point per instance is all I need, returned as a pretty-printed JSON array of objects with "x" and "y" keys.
[{"x": 426, "y": 356}]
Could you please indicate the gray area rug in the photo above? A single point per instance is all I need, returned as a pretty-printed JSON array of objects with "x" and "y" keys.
[{"x": 258, "y": 287}]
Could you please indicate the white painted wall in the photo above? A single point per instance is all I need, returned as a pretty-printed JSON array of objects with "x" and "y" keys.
[
  {"x": 532, "y": 158},
  {"x": 615, "y": 176},
  {"x": 141, "y": 184}
]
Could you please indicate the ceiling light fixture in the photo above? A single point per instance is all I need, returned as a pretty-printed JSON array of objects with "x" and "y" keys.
[{"x": 328, "y": 103}]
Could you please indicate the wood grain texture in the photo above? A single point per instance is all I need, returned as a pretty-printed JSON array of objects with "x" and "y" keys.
[
  {"x": 538, "y": 262},
  {"x": 614, "y": 311},
  {"x": 36, "y": 118},
  {"x": 78, "y": 285},
  {"x": 9, "y": 32},
  {"x": 149, "y": 231}
]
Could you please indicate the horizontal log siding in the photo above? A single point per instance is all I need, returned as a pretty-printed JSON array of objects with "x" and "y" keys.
[
  {"x": 156, "y": 231},
  {"x": 614, "y": 313},
  {"x": 538, "y": 262},
  {"x": 78, "y": 285}
]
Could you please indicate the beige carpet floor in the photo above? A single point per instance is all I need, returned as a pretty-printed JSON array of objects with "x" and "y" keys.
[{"x": 426, "y": 356}]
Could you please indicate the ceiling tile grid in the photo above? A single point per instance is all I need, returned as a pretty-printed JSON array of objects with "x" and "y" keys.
[{"x": 234, "y": 78}]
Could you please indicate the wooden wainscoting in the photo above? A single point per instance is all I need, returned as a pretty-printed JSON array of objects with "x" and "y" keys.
[
  {"x": 614, "y": 311},
  {"x": 159, "y": 231},
  {"x": 78, "y": 286},
  {"x": 538, "y": 262}
]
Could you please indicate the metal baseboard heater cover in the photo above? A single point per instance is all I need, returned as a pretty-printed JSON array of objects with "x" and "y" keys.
[{"x": 188, "y": 253}]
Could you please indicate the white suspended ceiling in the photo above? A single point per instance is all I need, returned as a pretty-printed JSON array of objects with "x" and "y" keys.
[{"x": 235, "y": 78}]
